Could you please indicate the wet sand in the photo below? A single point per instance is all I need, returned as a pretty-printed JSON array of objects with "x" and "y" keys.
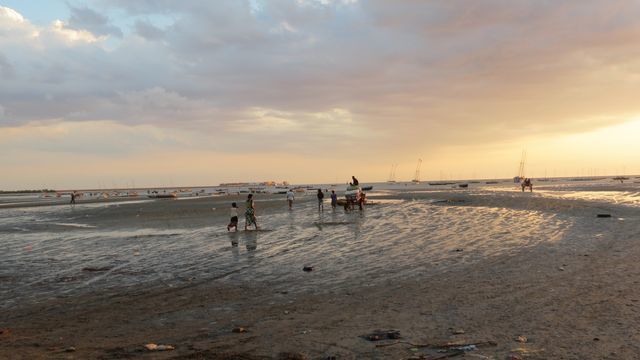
[{"x": 570, "y": 289}]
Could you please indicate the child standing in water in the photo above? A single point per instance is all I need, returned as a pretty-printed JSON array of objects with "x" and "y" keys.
[
  {"x": 234, "y": 218},
  {"x": 334, "y": 199}
]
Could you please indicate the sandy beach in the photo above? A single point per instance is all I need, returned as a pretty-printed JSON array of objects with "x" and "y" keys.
[{"x": 538, "y": 275}]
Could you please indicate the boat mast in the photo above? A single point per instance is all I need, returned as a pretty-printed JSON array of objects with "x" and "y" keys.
[
  {"x": 416, "y": 178},
  {"x": 523, "y": 159},
  {"x": 392, "y": 173}
]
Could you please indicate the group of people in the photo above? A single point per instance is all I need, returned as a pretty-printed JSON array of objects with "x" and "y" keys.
[{"x": 250, "y": 214}]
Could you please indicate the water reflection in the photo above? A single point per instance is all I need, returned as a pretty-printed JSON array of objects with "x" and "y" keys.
[{"x": 251, "y": 240}]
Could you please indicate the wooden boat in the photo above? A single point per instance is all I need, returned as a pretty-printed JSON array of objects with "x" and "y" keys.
[{"x": 163, "y": 196}]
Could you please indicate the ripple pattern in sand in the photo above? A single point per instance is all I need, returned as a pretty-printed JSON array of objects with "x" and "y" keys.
[{"x": 392, "y": 240}]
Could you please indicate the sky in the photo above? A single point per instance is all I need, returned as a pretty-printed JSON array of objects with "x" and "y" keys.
[{"x": 115, "y": 93}]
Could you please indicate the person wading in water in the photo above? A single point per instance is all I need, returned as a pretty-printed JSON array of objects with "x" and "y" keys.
[{"x": 250, "y": 213}]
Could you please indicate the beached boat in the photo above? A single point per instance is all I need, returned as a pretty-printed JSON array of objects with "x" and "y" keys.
[
  {"x": 156, "y": 195},
  {"x": 353, "y": 192},
  {"x": 518, "y": 179}
]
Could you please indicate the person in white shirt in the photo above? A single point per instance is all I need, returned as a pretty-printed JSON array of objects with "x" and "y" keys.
[
  {"x": 290, "y": 198},
  {"x": 234, "y": 217}
]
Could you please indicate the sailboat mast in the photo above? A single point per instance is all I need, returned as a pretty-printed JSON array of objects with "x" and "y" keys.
[{"x": 416, "y": 178}]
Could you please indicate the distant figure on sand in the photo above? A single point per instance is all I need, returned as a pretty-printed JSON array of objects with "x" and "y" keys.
[
  {"x": 73, "y": 198},
  {"x": 290, "y": 198},
  {"x": 334, "y": 199},
  {"x": 527, "y": 184},
  {"x": 320, "y": 200},
  {"x": 250, "y": 213},
  {"x": 233, "y": 223},
  {"x": 354, "y": 181}
]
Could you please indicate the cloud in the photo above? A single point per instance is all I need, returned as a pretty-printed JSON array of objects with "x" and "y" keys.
[
  {"x": 10, "y": 16},
  {"x": 6, "y": 69},
  {"x": 84, "y": 18},
  {"x": 148, "y": 30},
  {"x": 411, "y": 75},
  {"x": 104, "y": 139}
]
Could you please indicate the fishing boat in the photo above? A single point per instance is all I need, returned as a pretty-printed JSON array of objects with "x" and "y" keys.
[
  {"x": 157, "y": 195},
  {"x": 518, "y": 179},
  {"x": 392, "y": 174},
  {"x": 353, "y": 192}
]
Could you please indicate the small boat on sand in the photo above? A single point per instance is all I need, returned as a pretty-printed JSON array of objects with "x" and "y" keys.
[{"x": 172, "y": 195}]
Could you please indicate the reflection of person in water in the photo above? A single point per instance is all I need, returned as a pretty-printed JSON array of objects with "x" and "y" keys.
[
  {"x": 251, "y": 240},
  {"x": 233, "y": 236}
]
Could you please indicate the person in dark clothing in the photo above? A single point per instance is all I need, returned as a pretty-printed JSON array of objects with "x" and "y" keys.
[
  {"x": 73, "y": 198},
  {"x": 320, "y": 200},
  {"x": 355, "y": 181}
]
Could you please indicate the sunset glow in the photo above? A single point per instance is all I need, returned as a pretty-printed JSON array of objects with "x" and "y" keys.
[{"x": 102, "y": 93}]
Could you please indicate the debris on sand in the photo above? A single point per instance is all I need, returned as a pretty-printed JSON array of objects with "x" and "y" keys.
[
  {"x": 333, "y": 223},
  {"x": 449, "y": 345},
  {"x": 521, "y": 339},
  {"x": 239, "y": 330},
  {"x": 460, "y": 344},
  {"x": 5, "y": 332},
  {"x": 436, "y": 357},
  {"x": 604, "y": 215},
  {"x": 378, "y": 335},
  {"x": 156, "y": 347},
  {"x": 291, "y": 356},
  {"x": 307, "y": 268},
  {"x": 97, "y": 268},
  {"x": 70, "y": 349},
  {"x": 456, "y": 331}
]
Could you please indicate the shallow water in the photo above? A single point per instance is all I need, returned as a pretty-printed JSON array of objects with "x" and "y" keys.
[{"x": 57, "y": 251}]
